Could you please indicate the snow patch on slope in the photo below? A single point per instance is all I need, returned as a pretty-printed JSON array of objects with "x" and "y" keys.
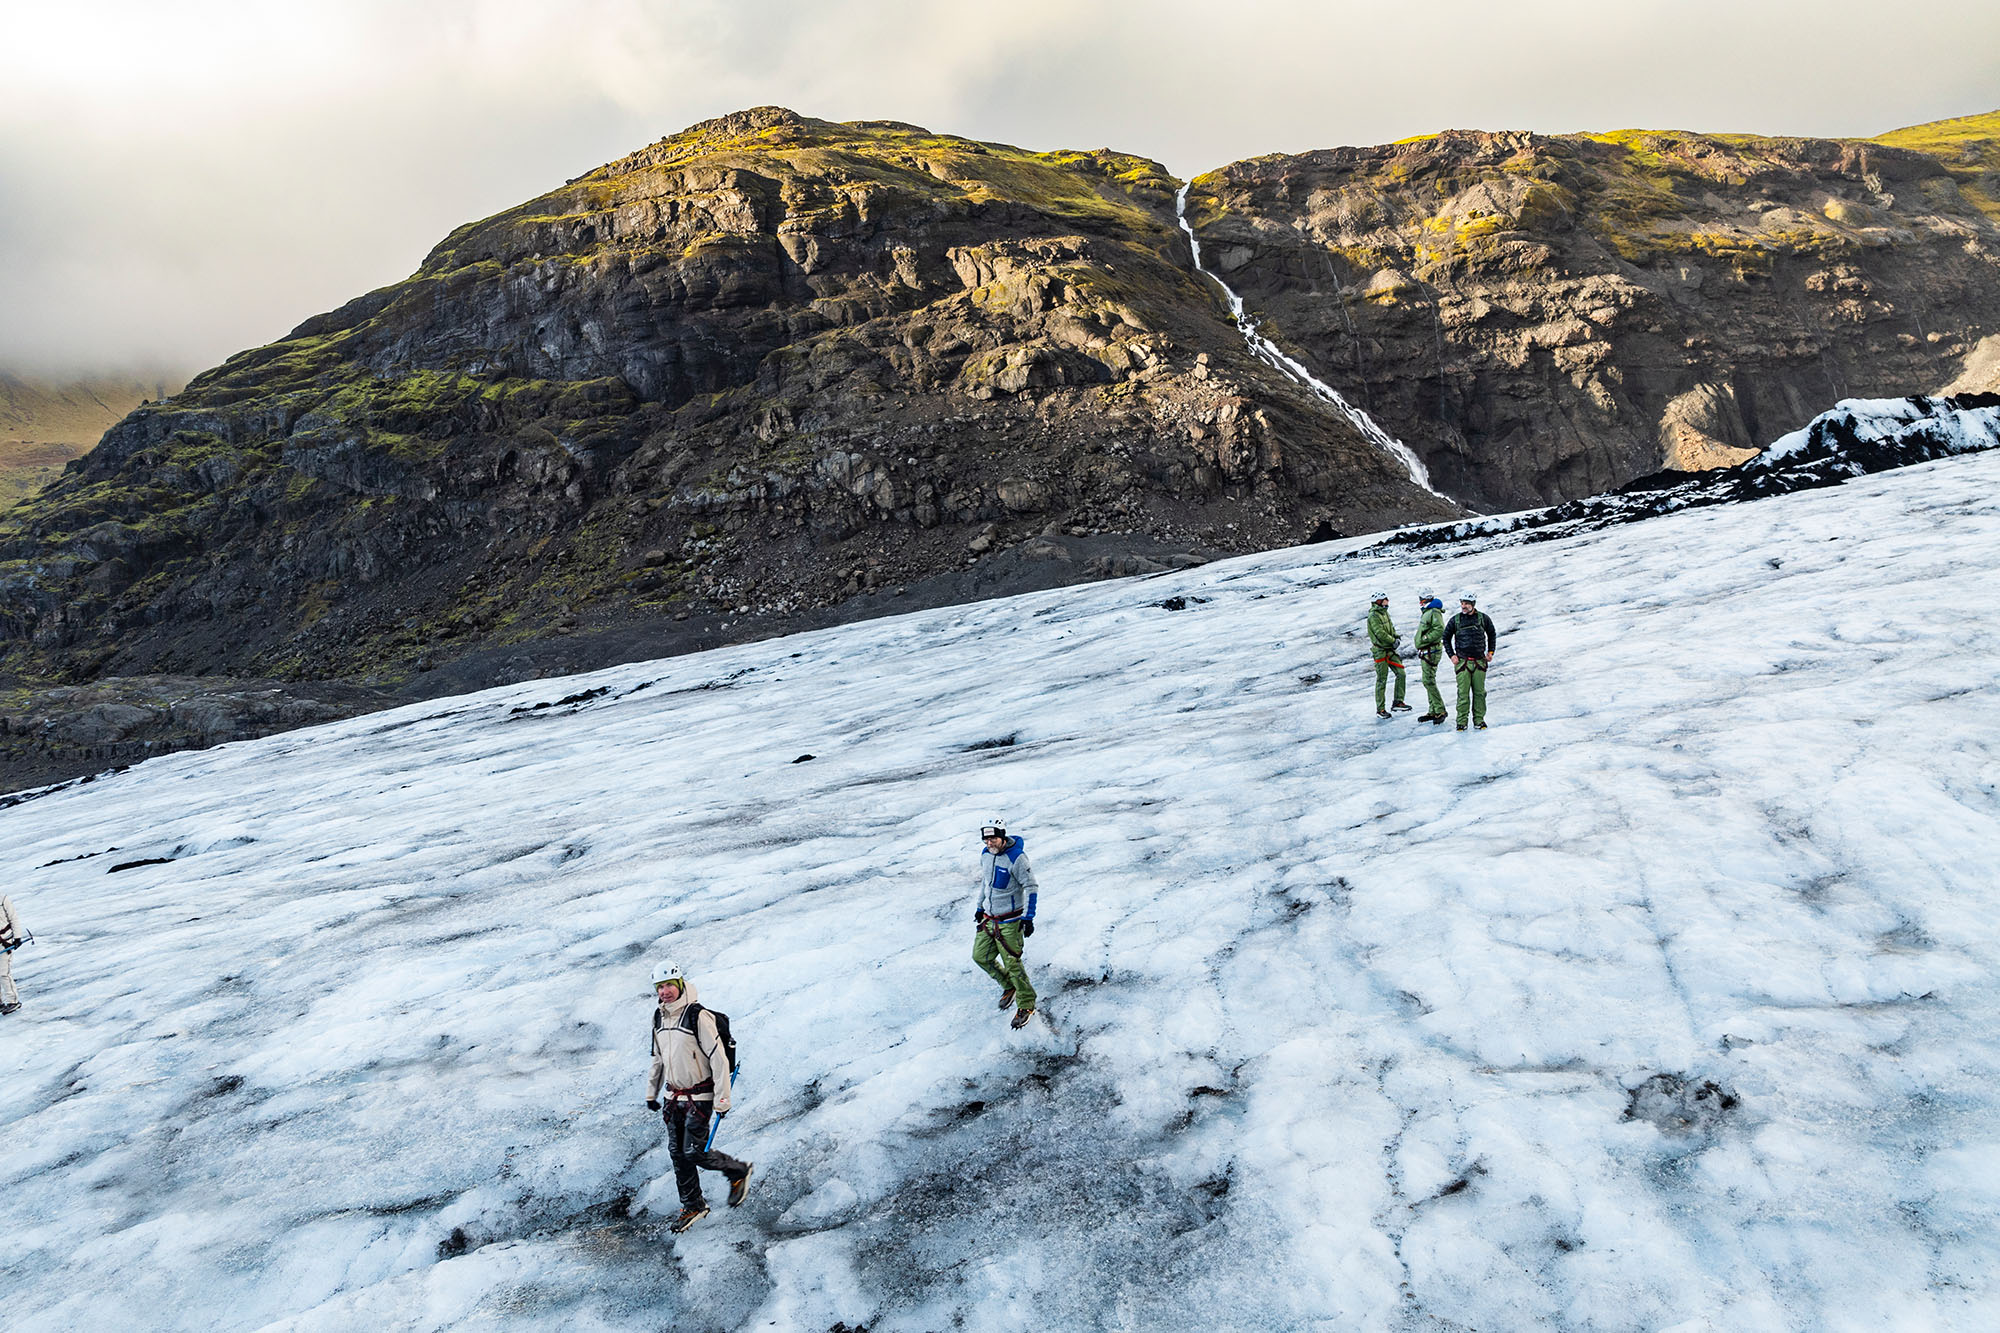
[
  {"x": 1871, "y": 434},
  {"x": 1857, "y": 438}
]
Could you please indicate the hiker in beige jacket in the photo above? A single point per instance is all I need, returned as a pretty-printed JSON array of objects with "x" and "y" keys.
[
  {"x": 691, "y": 1075},
  {"x": 12, "y": 936}
]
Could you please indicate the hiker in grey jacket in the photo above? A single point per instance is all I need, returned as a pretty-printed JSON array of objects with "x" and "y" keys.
[
  {"x": 1005, "y": 917},
  {"x": 691, "y": 1072},
  {"x": 12, "y": 936}
]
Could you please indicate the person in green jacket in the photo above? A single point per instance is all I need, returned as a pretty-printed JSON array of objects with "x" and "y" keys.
[
  {"x": 1430, "y": 648},
  {"x": 1387, "y": 645}
]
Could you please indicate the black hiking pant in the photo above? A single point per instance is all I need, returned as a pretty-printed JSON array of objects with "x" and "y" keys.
[{"x": 687, "y": 1139}]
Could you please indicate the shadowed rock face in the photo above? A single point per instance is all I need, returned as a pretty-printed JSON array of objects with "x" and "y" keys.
[
  {"x": 1548, "y": 318},
  {"x": 47, "y": 735},
  {"x": 773, "y": 372},
  {"x": 748, "y": 372}
]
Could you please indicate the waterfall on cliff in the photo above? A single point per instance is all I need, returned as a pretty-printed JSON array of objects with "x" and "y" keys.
[{"x": 1268, "y": 351}]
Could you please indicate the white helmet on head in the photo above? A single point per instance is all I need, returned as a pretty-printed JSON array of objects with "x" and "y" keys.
[
  {"x": 1467, "y": 595},
  {"x": 665, "y": 972},
  {"x": 1378, "y": 596},
  {"x": 994, "y": 827},
  {"x": 1425, "y": 594}
]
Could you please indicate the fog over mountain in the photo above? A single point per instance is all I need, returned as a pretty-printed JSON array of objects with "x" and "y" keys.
[{"x": 185, "y": 182}]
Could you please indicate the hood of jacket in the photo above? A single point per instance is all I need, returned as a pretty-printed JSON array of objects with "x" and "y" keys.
[{"x": 670, "y": 1014}]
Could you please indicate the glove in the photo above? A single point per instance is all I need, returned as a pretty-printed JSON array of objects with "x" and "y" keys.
[
  {"x": 978, "y": 918},
  {"x": 652, "y": 1104},
  {"x": 1027, "y": 928}
]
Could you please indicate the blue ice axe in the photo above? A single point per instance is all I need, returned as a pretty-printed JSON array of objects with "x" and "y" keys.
[{"x": 718, "y": 1119}]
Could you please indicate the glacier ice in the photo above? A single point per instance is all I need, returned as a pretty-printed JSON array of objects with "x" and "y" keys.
[{"x": 1671, "y": 1001}]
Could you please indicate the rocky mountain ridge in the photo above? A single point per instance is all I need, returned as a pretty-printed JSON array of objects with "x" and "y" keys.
[
  {"x": 1546, "y": 317},
  {"x": 775, "y": 372},
  {"x": 752, "y": 370}
]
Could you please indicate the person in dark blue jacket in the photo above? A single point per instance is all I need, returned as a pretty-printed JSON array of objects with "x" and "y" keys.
[{"x": 1005, "y": 917}]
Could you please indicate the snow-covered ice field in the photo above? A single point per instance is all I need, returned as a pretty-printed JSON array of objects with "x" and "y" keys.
[{"x": 1672, "y": 1001}]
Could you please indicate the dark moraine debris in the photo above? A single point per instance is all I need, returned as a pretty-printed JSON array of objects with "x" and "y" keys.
[{"x": 1680, "y": 1106}]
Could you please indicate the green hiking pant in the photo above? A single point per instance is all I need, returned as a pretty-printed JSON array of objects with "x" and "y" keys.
[
  {"x": 1471, "y": 690},
  {"x": 1003, "y": 964},
  {"x": 1431, "y": 690},
  {"x": 1383, "y": 666}
]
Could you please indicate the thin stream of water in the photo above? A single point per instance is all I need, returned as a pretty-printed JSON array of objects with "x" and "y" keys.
[{"x": 1269, "y": 353}]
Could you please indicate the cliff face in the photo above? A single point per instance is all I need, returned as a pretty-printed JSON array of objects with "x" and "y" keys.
[
  {"x": 768, "y": 372},
  {"x": 1546, "y": 318},
  {"x": 751, "y": 370}
]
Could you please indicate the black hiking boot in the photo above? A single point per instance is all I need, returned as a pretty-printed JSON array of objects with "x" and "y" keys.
[
  {"x": 1438, "y": 717},
  {"x": 1006, "y": 997},
  {"x": 740, "y": 1187},
  {"x": 1381, "y": 712},
  {"x": 8, "y": 1008},
  {"x": 1021, "y": 1017},
  {"x": 1461, "y": 726},
  {"x": 1400, "y": 706},
  {"x": 1480, "y": 725},
  {"x": 690, "y": 1215}
]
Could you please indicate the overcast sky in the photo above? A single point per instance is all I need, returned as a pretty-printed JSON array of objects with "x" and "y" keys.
[{"x": 180, "y": 179}]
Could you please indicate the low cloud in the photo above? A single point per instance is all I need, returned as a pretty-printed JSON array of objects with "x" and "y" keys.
[{"x": 183, "y": 181}]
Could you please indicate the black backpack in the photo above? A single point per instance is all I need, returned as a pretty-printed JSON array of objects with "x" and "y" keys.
[{"x": 692, "y": 1015}]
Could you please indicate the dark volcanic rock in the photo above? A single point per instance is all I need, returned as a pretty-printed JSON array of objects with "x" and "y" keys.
[
  {"x": 752, "y": 372},
  {"x": 1548, "y": 318},
  {"x": 60, "y": 732},
  {"x": 774, "y": 373}
]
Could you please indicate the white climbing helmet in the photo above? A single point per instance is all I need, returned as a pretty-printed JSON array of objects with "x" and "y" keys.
[
  {"x": 1425, "y": 594},
  {"x": 1467, "y": 595},
  {"x": 665, "y": 972},
  {"x": 996, "y": 827},
  {"x": 1378, "y": 596}
]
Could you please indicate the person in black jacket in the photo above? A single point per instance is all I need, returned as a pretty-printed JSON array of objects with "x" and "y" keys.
[{"x": 1470, "y": 640}]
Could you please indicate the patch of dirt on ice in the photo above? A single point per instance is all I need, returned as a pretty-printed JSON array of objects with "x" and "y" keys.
[{"x": 1681, "y": 1107}]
